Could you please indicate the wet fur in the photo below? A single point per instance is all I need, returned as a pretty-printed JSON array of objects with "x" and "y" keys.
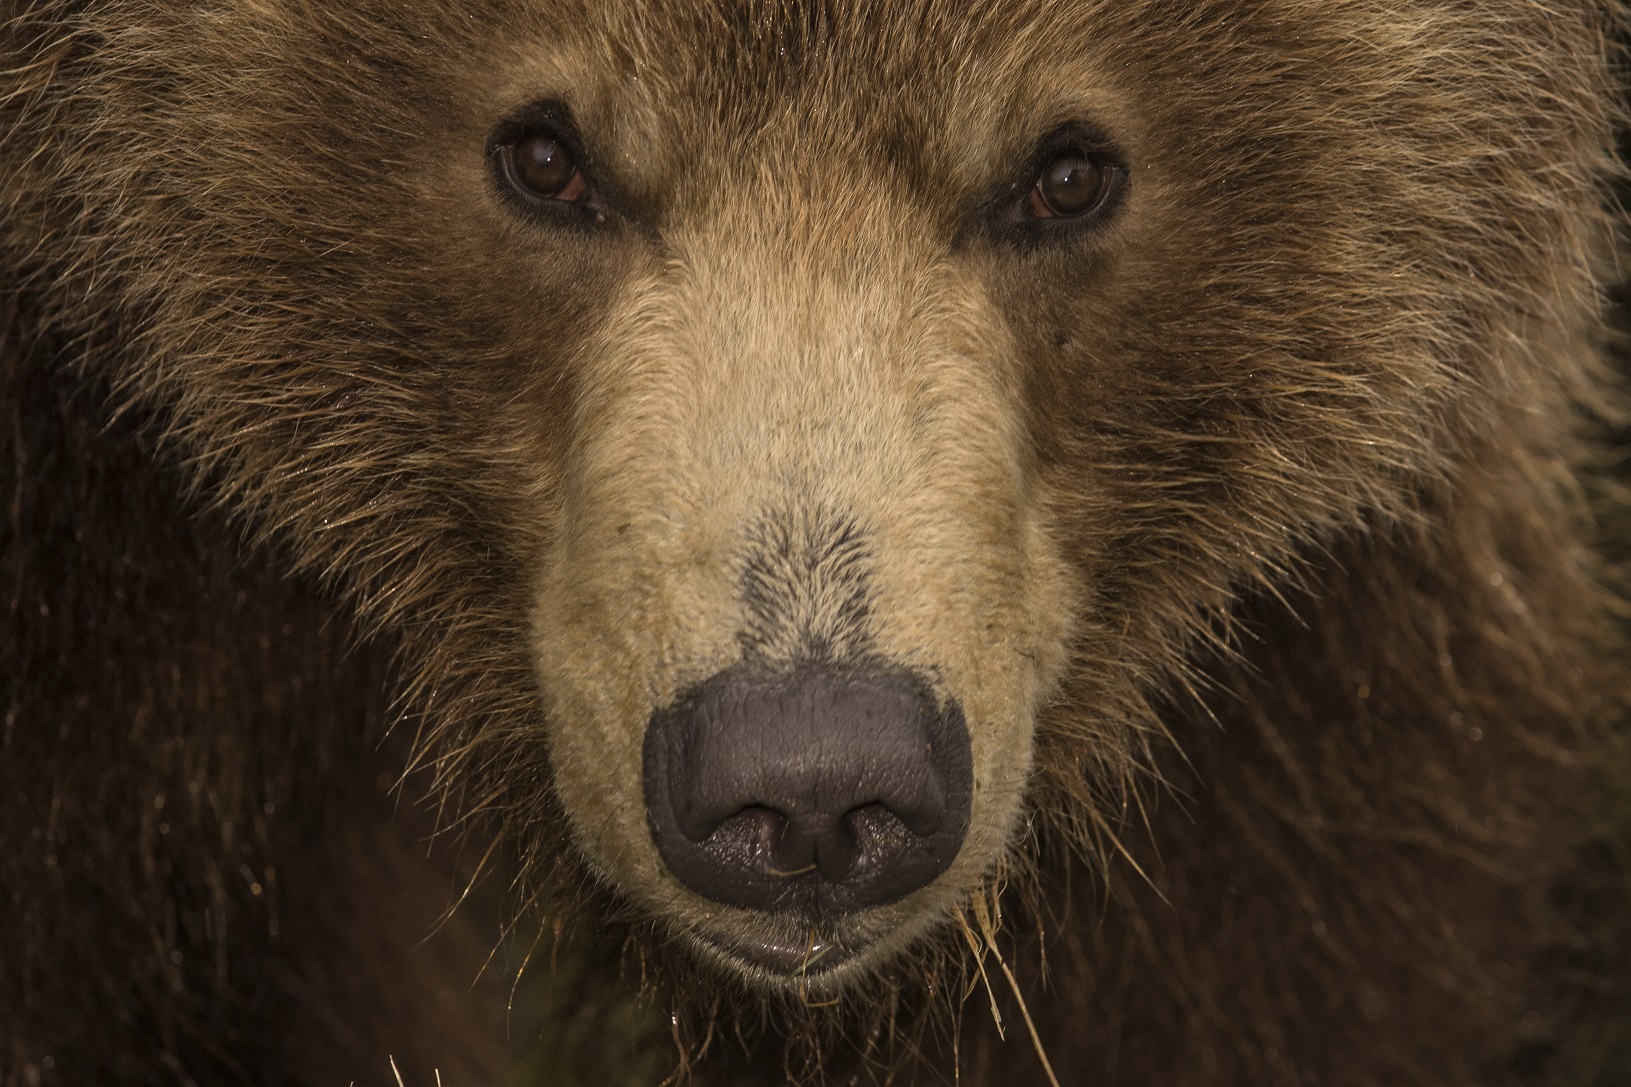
[{"x": 1299, "y": 558}]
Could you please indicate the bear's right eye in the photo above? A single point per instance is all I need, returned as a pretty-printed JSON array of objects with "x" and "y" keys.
[
  {"x": 540, "y": 166},
  {"x": 1071, "y": 186}
]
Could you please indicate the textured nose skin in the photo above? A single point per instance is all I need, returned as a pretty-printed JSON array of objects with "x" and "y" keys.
[{"x": 816, "y": 791}]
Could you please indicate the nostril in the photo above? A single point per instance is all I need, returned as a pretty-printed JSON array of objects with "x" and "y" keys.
[
  {"x": 756, "y": 835},
  {"x": 698, "y": 823},
  {"x": 919, "y": 803},
  {"x": 836, "y": 853},
  {"x": 878, "y": 833},
  {"x": 832, "y": 848},
  {"x": 816, "y": 790}
]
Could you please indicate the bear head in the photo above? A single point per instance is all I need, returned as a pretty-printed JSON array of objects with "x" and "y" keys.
[{"x": 797, "y": 445}]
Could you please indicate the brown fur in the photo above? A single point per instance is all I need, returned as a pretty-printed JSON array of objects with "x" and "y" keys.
[{"x": 1249, "y": 531}]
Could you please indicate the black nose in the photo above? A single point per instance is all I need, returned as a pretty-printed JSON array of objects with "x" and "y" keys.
[{"x": 816, "y": 791}]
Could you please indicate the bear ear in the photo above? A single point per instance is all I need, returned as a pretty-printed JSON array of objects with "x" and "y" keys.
[{"x": 540, "y": 169}]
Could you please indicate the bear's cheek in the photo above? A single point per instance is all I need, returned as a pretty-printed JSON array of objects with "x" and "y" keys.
[
  {"x": 614, "y": 638},
  {"x": 991, "y": 615}
]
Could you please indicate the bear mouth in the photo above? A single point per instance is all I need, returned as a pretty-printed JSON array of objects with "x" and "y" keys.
[{"x": 813, "y": 954}]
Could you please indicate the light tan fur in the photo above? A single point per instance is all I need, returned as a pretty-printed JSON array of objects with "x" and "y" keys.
[{"x": 1248, "y": 529}]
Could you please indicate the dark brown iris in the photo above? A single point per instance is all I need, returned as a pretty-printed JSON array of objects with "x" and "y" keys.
[
  {"x": 1070, "y": 185},
  {"x": 543, "y": 168}
]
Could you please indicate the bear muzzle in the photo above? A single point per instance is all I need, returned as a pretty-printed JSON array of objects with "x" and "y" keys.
[{"x": 808, "y": 793}]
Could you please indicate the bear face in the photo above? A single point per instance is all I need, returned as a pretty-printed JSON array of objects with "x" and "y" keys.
[
  {"x": 817, "y": 418},
  {"x": 635, "y": 362},
  {"x": 718, "y": 513}
]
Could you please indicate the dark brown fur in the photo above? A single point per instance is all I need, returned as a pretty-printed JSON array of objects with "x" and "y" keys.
[{"x": 1308, "y": 432}]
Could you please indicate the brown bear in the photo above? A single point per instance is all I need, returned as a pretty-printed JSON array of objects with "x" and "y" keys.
[{"x": 989, "y": 543}]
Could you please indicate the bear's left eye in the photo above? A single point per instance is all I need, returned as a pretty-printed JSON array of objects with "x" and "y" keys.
[{"x": 540, "y": 166}]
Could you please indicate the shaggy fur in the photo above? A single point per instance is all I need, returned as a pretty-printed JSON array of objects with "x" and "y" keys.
[{"x": 1247, "y": 527}]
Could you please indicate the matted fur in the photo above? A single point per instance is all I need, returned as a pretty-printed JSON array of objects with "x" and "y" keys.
[{"x": 1248, "y": 529}]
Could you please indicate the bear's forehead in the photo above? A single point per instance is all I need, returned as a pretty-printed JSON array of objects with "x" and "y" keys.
[
  {"x": 952, "y": 92},
  {"x": 664, "y": 79}
]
